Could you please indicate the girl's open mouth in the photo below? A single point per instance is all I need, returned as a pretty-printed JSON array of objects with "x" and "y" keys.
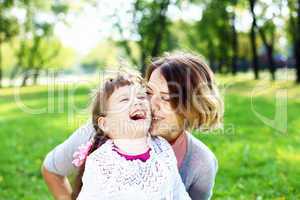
[{"x": 138, "y": 115}]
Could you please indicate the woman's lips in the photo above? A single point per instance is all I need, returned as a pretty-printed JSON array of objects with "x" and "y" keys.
[{"x": 157, "y": 118}]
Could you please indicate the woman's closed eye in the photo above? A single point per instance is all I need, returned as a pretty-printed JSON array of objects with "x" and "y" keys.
[
  {"x": 149, "y": 93},
  {"x": 165, "y": 98},
  {"x": 148, "y": 90}
]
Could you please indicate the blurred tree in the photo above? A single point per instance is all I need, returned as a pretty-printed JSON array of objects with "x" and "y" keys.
[
  {"x": 269, "y": 29},
  {"x": 217, "y": 38},
  {"x": 213, "y": 34},
  {"x": 8, "y": 55},
  {"x": 8, "y": 28},
  {"x": 265, "y": 25},
  {"x": 234, "y": 36},
  {"x": 51, "y": 55},
  {"x": 253, "y": 40},
  {"x": 54, "y": 56},
  {"x": 41, "y": 31},
  {"x": 151, "y": 27},
  {"x": 245, "y": 46},
  {"x": 102, "y": 56},
  {"x": 294, "y": 30},
  {"x": 34, "y": 29},
  {"x": 297, "y": 43}
]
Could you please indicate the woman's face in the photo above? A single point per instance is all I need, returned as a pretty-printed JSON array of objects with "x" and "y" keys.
[
  {"x": 165, "y": 121},
  {"x": 128, "y": 113}
]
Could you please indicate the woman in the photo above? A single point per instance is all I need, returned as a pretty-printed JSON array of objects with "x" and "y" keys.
[{"x": 183, "y": 96}]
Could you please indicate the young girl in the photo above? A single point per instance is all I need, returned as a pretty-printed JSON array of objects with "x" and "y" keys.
[{"x": 124, "y": 161}]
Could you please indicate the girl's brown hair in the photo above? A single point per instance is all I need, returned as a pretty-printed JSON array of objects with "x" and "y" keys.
[
  {"x": 192, "y": 87},
  {"x": 99, "y": 106}
]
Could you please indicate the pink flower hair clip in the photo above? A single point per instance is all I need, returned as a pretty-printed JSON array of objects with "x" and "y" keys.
[{"x": 81, "y": 154}]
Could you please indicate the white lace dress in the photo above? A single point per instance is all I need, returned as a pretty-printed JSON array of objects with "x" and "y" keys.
[{"x": 109, "y": 176}]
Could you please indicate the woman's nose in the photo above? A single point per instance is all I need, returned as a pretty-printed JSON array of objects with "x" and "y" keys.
[{"x": 155, "y": 102}]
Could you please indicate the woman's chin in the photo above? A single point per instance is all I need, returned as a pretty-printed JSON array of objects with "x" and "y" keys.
[
  {"x": 153, "y": 133},
  {"x": 154, "y": 130}
]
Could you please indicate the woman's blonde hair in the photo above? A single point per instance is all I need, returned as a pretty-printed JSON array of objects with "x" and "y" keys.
[{"x": 192, "y": 87}]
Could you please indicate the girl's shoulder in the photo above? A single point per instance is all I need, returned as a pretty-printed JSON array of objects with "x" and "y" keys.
[
  {"x": 159, "y": 144},
  {"x": 163, "y": 150},
  {"x": 103, "y": 154}
]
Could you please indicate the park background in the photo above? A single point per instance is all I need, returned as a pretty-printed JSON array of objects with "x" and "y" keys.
[{"x": 52, "y": 52}]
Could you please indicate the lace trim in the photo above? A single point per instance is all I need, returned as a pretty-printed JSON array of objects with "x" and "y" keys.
[{"x": 150, "y": 179}]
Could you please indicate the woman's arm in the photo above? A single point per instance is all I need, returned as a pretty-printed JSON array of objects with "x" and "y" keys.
[
  {"x": 58, "y": 163},
  {"x": 58, "y": 185},
  {"x": 202, "y": 186}
]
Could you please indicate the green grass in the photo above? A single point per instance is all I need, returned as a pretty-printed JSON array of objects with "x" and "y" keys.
[{"x": 256, "y": 161}]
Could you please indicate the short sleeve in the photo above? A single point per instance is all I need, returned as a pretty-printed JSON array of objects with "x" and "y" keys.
[{"x": 59, "y": 160}]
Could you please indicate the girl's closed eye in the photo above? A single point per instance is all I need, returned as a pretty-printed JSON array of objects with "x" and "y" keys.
[
  {"x": 142, "y": 97},
  {"x": 124, "y": 99}
]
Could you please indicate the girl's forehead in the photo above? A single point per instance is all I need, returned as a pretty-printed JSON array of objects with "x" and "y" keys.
[{"x": 129, "y": 89}]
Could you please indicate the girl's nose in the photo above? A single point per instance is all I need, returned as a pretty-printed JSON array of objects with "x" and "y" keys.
[{"x": 137, "y": 101}]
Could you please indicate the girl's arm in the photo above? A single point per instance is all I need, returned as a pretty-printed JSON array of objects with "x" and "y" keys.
[{"x": 58, "y": 163}]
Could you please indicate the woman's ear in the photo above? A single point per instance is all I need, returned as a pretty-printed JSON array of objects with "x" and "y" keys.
[{"x": 102, "y": 123}]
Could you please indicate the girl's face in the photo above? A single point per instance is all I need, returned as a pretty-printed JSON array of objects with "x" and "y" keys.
[
  {"x": 128, "y": 113},
  {"x": 166, "y": 122}
]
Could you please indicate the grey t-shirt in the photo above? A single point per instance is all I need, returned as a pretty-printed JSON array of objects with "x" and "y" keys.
[{"x": 198, "y": 169}]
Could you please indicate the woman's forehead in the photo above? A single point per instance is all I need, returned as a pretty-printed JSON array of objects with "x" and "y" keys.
[{"x": 158, "y": 82}]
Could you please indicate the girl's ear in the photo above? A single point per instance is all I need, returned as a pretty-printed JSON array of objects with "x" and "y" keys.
[{"x": 102, "y": 123}]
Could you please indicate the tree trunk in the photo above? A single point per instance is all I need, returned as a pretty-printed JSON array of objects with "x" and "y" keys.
[
  {"x": 234, "y": 46},
  {"x": 161, "y": 27},
  {"x": 0, "y": 64},
  {"x": 272, "y": 67},
  {"x": 220, "y": 65},
  {"x": 211, "y": 55},
  {"x": 269, "y": 50},
  {"x": 298, "y": 64},
  {"x": 297, "y": 46},
  {"x": 143, "y": 63},
  {"x": 36, "y": 74},
  {"x": 13, "y": 74},
  {"x": 25, "y": 78},
  {"x": 253, "y": 41},
  {"x": 254, "y": 53}
]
